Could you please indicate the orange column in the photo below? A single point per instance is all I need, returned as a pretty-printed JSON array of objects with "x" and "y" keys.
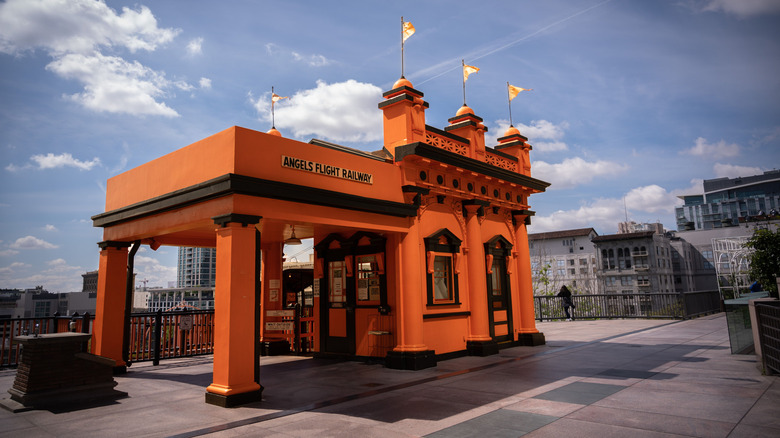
[
  {"x": 479, "y": 342},
  {"x": 411, "y": 353},
  {"x": 110, "y": 308},
  {"x": 528, "y": 333},
  {"x": 234, "y": 313}
]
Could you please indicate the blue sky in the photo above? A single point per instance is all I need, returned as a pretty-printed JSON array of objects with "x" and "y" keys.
[{"x": 634, "y": 102}]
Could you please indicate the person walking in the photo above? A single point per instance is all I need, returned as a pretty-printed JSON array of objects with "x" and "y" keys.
[{"x": 566, "y": 301}]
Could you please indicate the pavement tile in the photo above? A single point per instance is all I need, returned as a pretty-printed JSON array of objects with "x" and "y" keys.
[
  {"x": 583, "y": 393},
  {"x": 750, "y": 431},
  {"x": 545, "y": 407},
  {"x": 653, "y": 422},
  {"x": 582, "y": 429},
  {"x": 725, "y": 408},
  {"x": 500, "y": 423}
]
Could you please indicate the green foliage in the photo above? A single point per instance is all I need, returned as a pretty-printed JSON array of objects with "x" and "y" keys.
[
  {"x": 765, "y": 260},
  {"x": 544, "y": 282}
]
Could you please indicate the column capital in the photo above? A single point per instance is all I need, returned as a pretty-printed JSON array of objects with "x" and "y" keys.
[
  {"x": 243, "y": 219},
  {"x": 106, "y": 244},
  {"x": 475, "y": 206}
]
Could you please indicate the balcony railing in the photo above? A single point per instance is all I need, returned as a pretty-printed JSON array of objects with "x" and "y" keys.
[
  {"x": 642, "y": 305},
  {"x": 499, "y": 161},
  {"x": 442, "y": 142}
]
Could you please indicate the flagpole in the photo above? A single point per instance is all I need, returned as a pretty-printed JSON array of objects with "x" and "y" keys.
[
  {"x": 273, "y": 119},
  {"x": 509, "y": 96},
  {"x": 402, "y": 46},
  {"x": 462, "y": 70}
]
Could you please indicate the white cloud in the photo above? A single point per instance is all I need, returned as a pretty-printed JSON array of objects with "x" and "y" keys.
[
  {"x": 574, "y": 171},
  {"x": 651, "y": 199},
  {"x": 543, "y": 135},
  {"x": 312, "y": 60},
  {"x": 150, "y": 268},
  {"x": 343, "y": 111},
  {"x": 114, "y": 85},
  {"x": 713, "y": 150},
  {"x": 742, "y": 8},
  {"x": 15, "y": 265},
  {"x": 8, "y": 253},
  {"x": 50, "y": 227},
  {"x": 204, "y": 83},
  {"x": 734, "y": 171},
  {"x": 600, "y": 214},
  {"x": 195, "y": 46},
  {"x": 51, "y": 161},
  {"x": 31, "y": 242},
  {"x": 74, "y": 33},
  {"x": 77, "y": 26}
]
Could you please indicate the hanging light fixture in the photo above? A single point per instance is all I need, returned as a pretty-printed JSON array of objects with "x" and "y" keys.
[{"x": 292, "y": 240}]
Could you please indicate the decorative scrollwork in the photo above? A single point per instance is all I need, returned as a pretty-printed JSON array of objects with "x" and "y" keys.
[
  {"x": 502, "y": 162},
  {"x": 446, "y": 144}
]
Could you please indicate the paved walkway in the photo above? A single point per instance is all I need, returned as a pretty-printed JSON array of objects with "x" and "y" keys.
[{"x": 633, "y": 378}]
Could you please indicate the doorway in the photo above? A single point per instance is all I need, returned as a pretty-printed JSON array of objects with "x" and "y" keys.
[{"x": 499, "y": 295}]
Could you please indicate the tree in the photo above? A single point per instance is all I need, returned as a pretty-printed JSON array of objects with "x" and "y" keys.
[{"x": 765, "y": 260}]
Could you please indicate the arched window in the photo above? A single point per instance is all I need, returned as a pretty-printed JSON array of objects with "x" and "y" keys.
[{"x": 442, "y": 250}]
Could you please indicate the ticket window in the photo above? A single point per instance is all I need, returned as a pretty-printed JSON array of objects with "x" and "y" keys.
[
  {"x": 337, "y": 278},
  {"x": 369, "y": 282}
]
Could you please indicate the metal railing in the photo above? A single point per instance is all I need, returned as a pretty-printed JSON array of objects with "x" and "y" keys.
[
  {"x": 768, "y": 321},
  {"x": 165, "y": 335},
  {"x": 641, "y": 305},
  {"x": 12, "y": 327}
]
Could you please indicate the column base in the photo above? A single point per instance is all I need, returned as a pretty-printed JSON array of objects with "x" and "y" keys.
[
  {"x": 410, "y": 360},
  {"x": 229, "y": 401},
  {"x": 482, "y": 348},
  {"x": 531, "y": 339}
]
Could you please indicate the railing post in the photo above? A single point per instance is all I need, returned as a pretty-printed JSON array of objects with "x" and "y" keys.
[
  {"x": 681, "y": 296},
  {"x": 54, "y": 324},
  {"x": 86, "y": 319},
  {"x": 157, "y": 339}
]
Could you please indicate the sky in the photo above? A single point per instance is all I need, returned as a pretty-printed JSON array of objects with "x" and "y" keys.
[{"x": 632, "y": 103}]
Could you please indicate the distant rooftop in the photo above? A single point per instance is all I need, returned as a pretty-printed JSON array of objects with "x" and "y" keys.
[{"x": 579, "y": 232}]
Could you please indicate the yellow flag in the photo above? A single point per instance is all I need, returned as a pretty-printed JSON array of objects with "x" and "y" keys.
[
  {"x": 408, "y": 30},
  {"x": 467, "y": 70},
  {"x": 514, "y": 91},
  {"x": 276, "y": 98}
]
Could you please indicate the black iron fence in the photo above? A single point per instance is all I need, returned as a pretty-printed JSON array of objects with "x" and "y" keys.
[
  {"x": 13, "y": 327},
  {"x": 640, "y": 305},
  {"x": 768, "y": 321},
  {"x": 153, "y": 336}
]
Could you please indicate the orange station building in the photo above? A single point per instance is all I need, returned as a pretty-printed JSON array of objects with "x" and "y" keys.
[{"x": 421, "y": 249}]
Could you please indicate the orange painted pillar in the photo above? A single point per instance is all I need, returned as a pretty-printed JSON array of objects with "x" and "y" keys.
[
  {"x": 110, "y": 309},
  {"x": 411, "y": 353},
  {"x": 479, "y": 342},
  {"x": 528, "y": 333},
  {"x": 234, "y": 313}
]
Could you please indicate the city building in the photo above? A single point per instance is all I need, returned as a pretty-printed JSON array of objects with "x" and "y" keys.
[
  {"x": 40, "y": 303},
  {"x": 633, "y": 227},
  {"x": 421, "y": 249},
  {"x": 196, "y": 267},
  {"x": 730, "y": 201},
  {"x": 565, "y": 257},
  {"x": 718, "y": 258},
  {"x": 90, "y": 281},
  {"x": 631, "y": 263}
]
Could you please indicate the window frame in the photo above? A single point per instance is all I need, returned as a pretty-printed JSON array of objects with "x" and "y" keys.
[{"x": 442, "y": 243}]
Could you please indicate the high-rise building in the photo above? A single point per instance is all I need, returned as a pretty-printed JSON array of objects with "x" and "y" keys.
[
  {"x": 730, "y": 201},
  {"x": 196, "y": 267}
]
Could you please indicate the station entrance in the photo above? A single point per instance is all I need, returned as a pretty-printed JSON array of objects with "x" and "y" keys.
[{"x": 420, "y": 248}]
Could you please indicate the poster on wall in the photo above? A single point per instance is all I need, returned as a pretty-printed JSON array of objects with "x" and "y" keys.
[{"x": 273, "y": 295}]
